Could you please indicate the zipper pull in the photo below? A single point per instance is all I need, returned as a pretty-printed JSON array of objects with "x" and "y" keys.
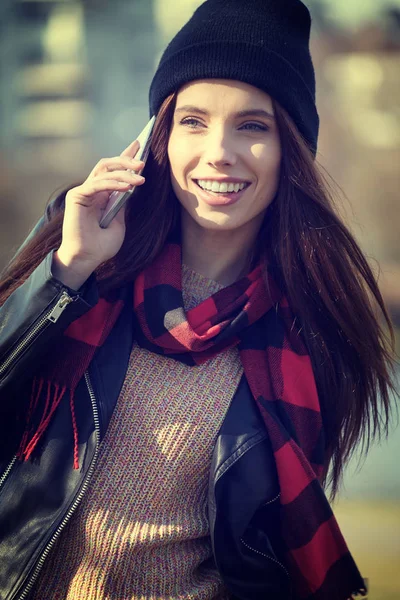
[{"x": 60, "y": 307}]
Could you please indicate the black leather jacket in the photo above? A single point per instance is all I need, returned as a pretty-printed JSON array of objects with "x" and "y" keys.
[{"x": 38, "y": 497}]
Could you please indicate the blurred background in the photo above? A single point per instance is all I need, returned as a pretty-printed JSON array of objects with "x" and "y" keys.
[{"x": 74, "y": 79}]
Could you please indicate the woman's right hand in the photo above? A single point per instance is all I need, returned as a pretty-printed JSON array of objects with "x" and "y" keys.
[{"x": 85, "y": 245}]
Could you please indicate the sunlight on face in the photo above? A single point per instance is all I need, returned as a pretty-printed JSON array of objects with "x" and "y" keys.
[{"x": 225, "y": 153}]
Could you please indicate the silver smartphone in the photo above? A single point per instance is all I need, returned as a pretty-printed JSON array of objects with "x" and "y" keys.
[{"x": 118, "y": 199}]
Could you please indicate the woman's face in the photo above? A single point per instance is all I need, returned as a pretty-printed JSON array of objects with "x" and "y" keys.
[{"x": 224, "y": 152}]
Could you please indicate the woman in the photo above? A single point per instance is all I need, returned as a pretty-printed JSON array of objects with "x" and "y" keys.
[{"x": 178, "y": 388}]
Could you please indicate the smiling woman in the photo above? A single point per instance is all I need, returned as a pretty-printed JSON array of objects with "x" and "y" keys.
[{"x": 178, "y": 389}]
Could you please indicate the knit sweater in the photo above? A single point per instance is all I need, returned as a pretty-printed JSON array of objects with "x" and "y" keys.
[{"x": 141, "y": 531}]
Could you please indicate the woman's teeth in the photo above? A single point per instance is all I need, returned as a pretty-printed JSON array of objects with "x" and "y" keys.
[{"x": 223, "y": 187}]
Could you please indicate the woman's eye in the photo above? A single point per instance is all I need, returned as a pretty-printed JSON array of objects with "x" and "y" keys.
[
  {"x": 255, "y": 127},
  {"x": 191, "y": 122}
]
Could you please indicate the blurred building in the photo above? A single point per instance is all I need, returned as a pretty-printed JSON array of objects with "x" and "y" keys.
[{"x": 74, "y": 77}]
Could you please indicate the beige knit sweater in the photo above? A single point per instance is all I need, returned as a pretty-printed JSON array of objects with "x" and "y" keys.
[{"x": 142, "y": 531}]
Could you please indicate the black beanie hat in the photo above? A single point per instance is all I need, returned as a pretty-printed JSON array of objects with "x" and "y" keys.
[{"x": 261, "y": 42}]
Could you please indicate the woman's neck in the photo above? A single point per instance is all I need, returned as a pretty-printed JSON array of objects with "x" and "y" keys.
[{"x": 223, "y": 256}]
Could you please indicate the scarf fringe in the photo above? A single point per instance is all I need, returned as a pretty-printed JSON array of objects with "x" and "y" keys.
[
  {"x": 362, "y": 592},
  {"x": 31, "y": 435}
]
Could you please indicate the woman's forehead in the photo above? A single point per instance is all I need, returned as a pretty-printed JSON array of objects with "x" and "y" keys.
[{"x": 215, "y": 93}]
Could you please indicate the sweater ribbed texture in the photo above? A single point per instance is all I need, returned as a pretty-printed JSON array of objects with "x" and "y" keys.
[{"x": 142, "y": 530}]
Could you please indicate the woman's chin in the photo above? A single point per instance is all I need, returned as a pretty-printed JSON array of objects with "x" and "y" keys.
[{"x": 216, "y": 220}]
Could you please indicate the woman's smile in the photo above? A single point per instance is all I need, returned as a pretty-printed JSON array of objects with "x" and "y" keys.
[{"x": 221, "y": 192}]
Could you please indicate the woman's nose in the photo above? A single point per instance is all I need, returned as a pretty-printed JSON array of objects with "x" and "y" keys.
[{"x": 219, "y": 150}]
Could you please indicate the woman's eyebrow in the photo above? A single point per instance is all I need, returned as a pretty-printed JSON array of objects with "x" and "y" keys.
[
  {"x": 192, "y": 109},
  {"x": 253, "y": 112}
]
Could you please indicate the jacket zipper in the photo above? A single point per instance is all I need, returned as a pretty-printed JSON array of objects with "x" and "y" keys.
[
  {"x": 8, "y": 470},
  {"x": 262, "y": 553},
  {"x": 273, "y": 500},
  {"x": 51, "y": 316},
  {"x": 77, "y": 500},
  {"x": 266, "y": 556}
]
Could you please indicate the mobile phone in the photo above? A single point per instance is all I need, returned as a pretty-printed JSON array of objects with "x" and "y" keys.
[{"x": 118, "y": 199}]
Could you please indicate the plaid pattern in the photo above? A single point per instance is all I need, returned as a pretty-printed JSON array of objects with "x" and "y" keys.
[{"x": 253, "y": 315}]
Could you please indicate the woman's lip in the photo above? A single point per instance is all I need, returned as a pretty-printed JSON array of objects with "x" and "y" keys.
[{"x": 222, "y": 199}]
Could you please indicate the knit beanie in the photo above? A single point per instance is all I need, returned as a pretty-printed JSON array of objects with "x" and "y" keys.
[{"x": 264, "y": 43}]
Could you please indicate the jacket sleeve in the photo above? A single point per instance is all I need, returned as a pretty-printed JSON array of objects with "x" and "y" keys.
[
  {"x": 36, "y": 313},
  {"x": 32, "y": 318}
]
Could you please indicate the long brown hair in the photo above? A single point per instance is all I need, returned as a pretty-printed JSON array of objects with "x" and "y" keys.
[{"x": 327, "y": 280}]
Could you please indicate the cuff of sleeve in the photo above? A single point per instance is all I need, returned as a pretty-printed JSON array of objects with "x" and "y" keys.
[{"x": 87, "y": 293}]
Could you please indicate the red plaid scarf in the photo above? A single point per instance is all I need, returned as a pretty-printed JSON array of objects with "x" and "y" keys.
[{"x": 254, "y": 316}]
